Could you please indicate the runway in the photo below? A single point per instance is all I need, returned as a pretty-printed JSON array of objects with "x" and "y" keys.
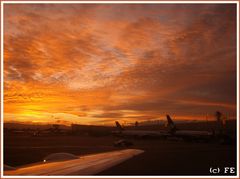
[{"x": 161, "y": 157}]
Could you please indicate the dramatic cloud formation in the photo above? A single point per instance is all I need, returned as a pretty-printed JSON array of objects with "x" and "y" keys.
[{"x": 94, "y": 64}]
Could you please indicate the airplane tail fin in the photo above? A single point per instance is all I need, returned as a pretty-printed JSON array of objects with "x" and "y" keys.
[
  {"x": 118, "y": 125},
  {"x": 170, "y": 124},
  {"x": 221, "y": 122}
]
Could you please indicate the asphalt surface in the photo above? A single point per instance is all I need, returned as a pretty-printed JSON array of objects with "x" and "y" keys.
[{"x": 161, "y": 157}]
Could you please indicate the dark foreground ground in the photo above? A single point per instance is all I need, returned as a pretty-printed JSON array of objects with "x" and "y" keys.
[{"x": 161, "y": 157}]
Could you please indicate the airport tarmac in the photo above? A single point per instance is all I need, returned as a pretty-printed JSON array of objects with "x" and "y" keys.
[{"x": 161, "y": 157}]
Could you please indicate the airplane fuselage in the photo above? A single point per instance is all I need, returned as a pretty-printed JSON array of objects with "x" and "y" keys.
[{"x": 142, "y": 133}]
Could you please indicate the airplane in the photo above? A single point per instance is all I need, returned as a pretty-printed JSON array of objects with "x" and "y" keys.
[
  {"x": 139, "y": 133},
  {"x": 61, "y": 164},
  {"x": 193, "y": 134},
  {"x": 175, "y": 133}
]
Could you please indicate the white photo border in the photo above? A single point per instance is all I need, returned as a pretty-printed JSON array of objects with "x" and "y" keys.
[{"x": 118, "y": 2}]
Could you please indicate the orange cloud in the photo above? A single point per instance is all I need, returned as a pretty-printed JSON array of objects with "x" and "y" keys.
[{"x": 97, "y": 63}]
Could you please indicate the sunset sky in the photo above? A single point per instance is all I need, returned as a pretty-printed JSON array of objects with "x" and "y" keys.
[{"x": 96, "y": 63}]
